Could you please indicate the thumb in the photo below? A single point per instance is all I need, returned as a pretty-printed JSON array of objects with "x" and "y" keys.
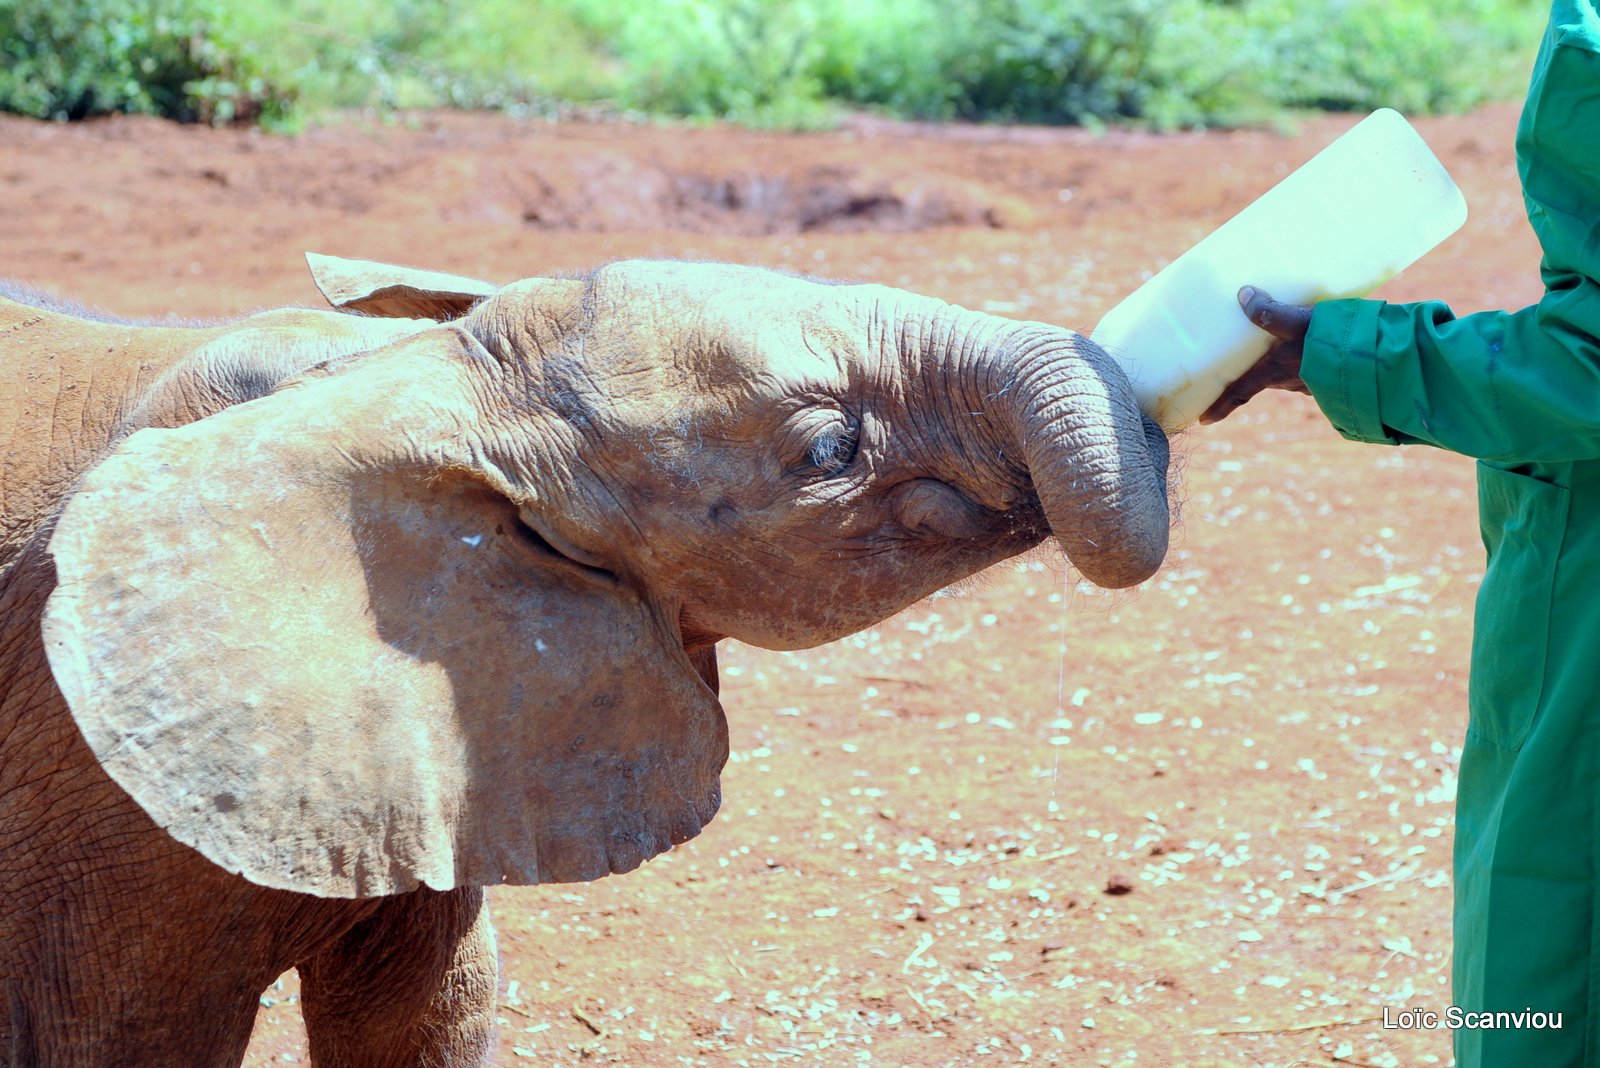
[{"x": 1287, "y": 322}]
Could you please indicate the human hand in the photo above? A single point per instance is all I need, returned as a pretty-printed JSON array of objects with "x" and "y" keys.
[{"x": 1280, "y": 367}]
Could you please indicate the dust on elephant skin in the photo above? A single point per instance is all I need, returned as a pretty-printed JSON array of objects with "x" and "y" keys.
[{"x": 322, "y": 623}]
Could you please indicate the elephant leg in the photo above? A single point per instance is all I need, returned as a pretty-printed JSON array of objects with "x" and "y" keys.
[
  {"x": 147, "y": 963},
  {"x": 412, "y": 985}
]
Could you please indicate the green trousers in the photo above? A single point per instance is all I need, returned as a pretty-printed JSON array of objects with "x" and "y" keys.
[{"x": 1527, "y": 930}]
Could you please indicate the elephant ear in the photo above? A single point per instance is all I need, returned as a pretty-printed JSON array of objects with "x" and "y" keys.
[
  {"x": 310, "y": 636},
  {"x": 390, "y": 292}
]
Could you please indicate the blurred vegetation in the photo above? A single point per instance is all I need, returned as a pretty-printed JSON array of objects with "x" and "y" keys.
[
  {"x": 786, "y": 63},
  {"x": 69, "y": 59}
]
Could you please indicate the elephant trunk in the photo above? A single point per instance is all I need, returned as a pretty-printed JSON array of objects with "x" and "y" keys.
[{"x": 1097, "y": 464}]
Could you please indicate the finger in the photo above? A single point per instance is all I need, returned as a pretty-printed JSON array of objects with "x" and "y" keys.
[
  {"x": 1287, "y": 322},
  {"x": 1239, "y": 390},
  {"x": 1278, "y": 369},
  {"x": 1220, "y": 409}
]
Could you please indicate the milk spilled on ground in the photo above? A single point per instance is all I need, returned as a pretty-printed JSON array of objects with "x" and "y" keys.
[{"x": 1354, "y": 216}]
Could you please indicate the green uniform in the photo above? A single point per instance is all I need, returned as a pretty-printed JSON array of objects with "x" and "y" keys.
[{"x": 1521, "y": 392}]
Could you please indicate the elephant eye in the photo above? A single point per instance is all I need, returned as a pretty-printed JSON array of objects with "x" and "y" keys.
[{"x": 833, "y": 448}]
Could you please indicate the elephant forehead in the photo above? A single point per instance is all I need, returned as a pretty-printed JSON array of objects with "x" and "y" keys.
[
  {"x": 718, "y": 293},
  {"x": 670, "y": 337},
  {"x": 706, "y": 281},
  {"x": 712, "y": 360}
]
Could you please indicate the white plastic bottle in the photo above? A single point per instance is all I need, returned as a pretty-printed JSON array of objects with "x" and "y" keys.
[{"x": 1354, "y": 216}]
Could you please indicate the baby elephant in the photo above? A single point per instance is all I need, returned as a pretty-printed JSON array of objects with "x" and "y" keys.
[{"x": 317, "y": 624}]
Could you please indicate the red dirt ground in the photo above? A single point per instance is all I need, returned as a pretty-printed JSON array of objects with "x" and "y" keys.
[{"x": 1203, "y": 823}]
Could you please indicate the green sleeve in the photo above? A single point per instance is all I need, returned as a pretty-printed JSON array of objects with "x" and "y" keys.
[{"x": 1510, "y": 387}]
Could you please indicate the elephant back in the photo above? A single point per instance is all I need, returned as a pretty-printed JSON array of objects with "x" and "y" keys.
[{"x": 66, "y": 382}]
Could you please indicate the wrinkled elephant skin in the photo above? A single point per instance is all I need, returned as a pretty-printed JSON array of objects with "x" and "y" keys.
[{"x": 320, "y": 623}]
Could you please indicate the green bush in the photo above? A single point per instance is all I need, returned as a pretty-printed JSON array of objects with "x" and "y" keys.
[
  {"x": 894, "y": 54},
  {"x": 397, "y": 54},
  {"x": 1173, "y": 62},
  {"x": 1053, "y": 62},
  {"x": 1160, "y": 63},
  {"x": 1369, "y": 53},
  {"x": 69, "y": 59},
  {"x": 750, "y": 60}
]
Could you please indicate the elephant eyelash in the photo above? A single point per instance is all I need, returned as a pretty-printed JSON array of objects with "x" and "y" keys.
[{"x": 834, "y": 449}]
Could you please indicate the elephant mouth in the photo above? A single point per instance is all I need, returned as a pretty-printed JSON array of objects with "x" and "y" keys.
[
  {"x": 536, "y": 537},
  {"x": 1008, "y": 533}
]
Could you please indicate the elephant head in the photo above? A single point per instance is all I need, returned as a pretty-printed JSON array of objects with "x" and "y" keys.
[{"x": 444, "y": 611}]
